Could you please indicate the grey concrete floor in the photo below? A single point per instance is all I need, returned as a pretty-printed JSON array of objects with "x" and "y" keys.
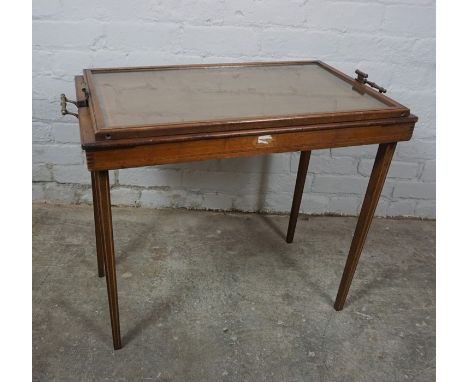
[{"x": 207, "y": 296}]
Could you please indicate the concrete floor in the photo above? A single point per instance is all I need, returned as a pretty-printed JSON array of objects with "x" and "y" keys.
[{"x": 208, "y": 296}]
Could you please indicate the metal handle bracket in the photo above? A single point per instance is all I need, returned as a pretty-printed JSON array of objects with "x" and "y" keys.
[
  {"x": 81, "y": 103},
  {"x": 63, "y": 105},
  {"x": 362, "y": 78}
]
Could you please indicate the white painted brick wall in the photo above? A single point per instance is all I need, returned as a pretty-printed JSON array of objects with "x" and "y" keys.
[{"x": 392, "y": 40}]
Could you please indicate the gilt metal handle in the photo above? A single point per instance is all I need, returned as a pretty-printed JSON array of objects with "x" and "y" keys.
[{"x": 63, "y": 105}]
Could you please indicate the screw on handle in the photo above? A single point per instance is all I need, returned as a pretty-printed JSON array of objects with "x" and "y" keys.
[
  {"x": 63, "y": 105},
  {"x": 362, "y": 78}
]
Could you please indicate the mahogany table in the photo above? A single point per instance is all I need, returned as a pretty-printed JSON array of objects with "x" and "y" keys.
[{"x": 145, "y": 116}]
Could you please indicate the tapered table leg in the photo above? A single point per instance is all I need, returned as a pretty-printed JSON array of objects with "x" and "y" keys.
[
  {"x": 374, "y": 188},
  {"x": 296, "y": 204},
  {"x": 97, "y": 226},
  {"x": 104, "y": 204}
]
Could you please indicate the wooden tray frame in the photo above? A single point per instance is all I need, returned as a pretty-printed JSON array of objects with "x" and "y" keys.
[{"x": 394, "y": 110}]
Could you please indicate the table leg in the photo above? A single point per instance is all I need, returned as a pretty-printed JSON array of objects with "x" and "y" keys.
[
  {"x": 374, "y": 188},
  {"x": 97, "y": 226},
  {"x": 104, "y": 205},
  {"x": 296, "y": 204}
]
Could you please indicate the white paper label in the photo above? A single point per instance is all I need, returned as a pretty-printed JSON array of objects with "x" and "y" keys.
[{"x": 264, "y": 139}]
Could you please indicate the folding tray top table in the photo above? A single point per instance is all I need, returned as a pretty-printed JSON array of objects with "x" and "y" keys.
[{"x": 145, "y": 116}]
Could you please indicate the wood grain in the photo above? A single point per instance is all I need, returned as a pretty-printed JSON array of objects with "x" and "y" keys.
[
  {"x": 392, "y": 109},
  {"x": 189, "y": 151},
  {"x": 374, "y": 188},
  {"x": 104, "y": 204},
  {"x": 298, "y": 190},
  {"x": 237, "y": 139},
  {"x": 97, "y": 224}
]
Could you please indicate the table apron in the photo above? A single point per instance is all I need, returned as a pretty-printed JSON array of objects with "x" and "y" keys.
[{"x": 220, "y": 148}]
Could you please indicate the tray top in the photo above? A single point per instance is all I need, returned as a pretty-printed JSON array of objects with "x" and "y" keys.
[{"x": 163, "y": 100}]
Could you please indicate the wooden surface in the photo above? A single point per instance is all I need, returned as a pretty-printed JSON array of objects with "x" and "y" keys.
[
  {"x": 103, "y": 202},
  {"x": 221, "y": 148},
  {"x": 97, "y": 224},
  {"x": 389, "y": 109},
  {"x": 374, "y": 188},
  {"x": 147, "y": 151},
  {"x": 228, "y": 142},
  {"x": 185, "y": 148},
  {"x": 298, "y": 190}
]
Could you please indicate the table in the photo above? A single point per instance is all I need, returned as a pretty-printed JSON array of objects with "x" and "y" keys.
[{"x": 146, "y": 116}]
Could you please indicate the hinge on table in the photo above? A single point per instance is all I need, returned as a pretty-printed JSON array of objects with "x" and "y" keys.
[
  {"x": 84, "y": 103},
  {"x": 362, "y": 78},
  {"x": 80, "y": 103}
]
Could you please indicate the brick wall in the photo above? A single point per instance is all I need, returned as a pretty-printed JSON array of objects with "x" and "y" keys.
[{"x": 392, "y": 40}]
